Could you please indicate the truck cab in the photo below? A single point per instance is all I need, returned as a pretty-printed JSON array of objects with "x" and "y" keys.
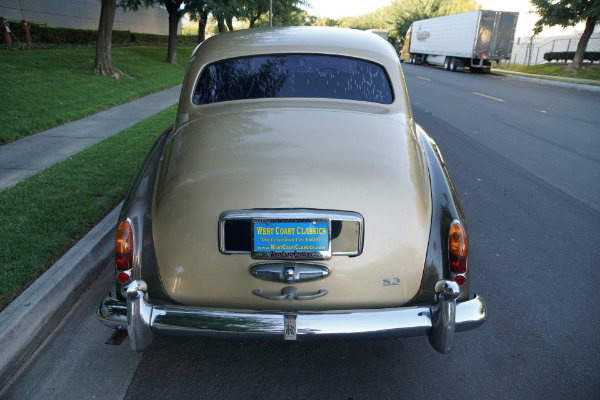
[{"x": 405, "y": 52}]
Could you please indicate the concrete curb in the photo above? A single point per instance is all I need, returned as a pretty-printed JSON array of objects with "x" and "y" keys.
[
  {"x": 549, "y": 81},
  {"x": 31, "y": 317}
]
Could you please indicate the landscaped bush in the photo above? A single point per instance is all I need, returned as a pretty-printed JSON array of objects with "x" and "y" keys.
[
  {"x": 164, "y": 39},
  {"x": 149, "y": 38},
  {"x": 565, "y": 56},
  {"x": 52, "y": 37},
  {"x": 70, "y": 36},
  {"x": 121, "y": 37}
]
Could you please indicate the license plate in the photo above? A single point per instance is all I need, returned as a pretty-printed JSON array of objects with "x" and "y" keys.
[{"x": 291, "y": 239}]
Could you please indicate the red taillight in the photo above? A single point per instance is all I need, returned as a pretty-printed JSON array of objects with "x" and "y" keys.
[
  {"x": 124, "y": 247},
  {"x": 123, "y": 277},
  {"x": 458, "y": 264},
  {"x": 457, "y": 249},
  {"x": 460, "y": 280}
]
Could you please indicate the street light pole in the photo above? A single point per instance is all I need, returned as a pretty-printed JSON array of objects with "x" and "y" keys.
[{"x": 270, "y": 13}]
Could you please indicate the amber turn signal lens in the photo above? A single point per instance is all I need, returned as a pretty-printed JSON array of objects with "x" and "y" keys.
[
  {"x": 124, "y": 246},
  {"x": 457, "y": 243}
]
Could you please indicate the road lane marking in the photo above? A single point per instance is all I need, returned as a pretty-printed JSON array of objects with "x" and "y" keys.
[
  {"x": 425, "y": 79},
  {"x": 489, "y": 97}
]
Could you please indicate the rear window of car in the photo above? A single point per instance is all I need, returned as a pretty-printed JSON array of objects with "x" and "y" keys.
[{"x": 293, "y": 75}]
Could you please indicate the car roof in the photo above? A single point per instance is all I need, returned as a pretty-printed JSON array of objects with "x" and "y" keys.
[
  {"x": 340, "y": 41},
  {"x": 290, "y": 40}
]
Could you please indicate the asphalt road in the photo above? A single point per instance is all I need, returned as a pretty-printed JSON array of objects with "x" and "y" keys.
[{"x": 525, "y": 159}]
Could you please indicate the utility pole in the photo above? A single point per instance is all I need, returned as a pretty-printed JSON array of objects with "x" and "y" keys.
[{"x": 270, "y": 13}]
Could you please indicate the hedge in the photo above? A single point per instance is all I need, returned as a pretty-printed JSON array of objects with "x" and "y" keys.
[
  {"x": 54, "y": 36},
  {"x": 565, "y": 56}
]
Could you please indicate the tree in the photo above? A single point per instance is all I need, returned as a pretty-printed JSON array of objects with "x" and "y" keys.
[
  {"x": 253, "y": 9},
  {"x": 325, "y": 22},
  {"x": 304, "y": 18},
  {"x": 458, "y": 6},
  {"x": 199, "y": 10},
  {"x": 405, "y": 12},
  {"x": 569, "y": 13},
  {"x": 346, "y": 22},
  {"x": 103, "y": 63},
  {"x": 285, "y": 12},
  {"x": 175, "y": 11},
  {"x": 202, "y": 18},
  {"x": 223, "y": 12}
]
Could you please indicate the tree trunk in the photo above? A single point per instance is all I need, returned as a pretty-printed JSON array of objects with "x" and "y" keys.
[
  {"x": 202, "y": 16},
  {"x": 229, "y": 22},
  {"x": 582, "y": 45},
  {"x": 174, "y": 15},
  {"x": 103, "y": 62},
  {"x": 221, "y": 25}
]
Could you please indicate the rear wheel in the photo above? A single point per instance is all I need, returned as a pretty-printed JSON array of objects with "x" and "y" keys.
[
  {"x": 453, "y": 64},
  {"x": 447, "y": 64}
]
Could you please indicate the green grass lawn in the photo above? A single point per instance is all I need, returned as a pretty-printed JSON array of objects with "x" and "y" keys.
[
  {"x": 589, "y": 71},
  {"x": 45, "y": 88},
  {"x": 43, "y": 216}
]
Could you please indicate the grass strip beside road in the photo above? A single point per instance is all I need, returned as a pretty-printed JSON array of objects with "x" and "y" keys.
[
  {"x": 46, "y": 88},
  {"x": 554, "y": 70},
  {"x": 44, "y": 216}
]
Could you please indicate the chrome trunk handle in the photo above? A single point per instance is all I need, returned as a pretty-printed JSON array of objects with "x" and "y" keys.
[{"x": 289, "y": 293}]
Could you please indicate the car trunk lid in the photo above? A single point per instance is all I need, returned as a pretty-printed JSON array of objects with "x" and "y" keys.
[{"x": 290, "y": 158}]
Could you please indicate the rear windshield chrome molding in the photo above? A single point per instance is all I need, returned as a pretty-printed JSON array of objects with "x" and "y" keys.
[{"x": 292, "y": 214}]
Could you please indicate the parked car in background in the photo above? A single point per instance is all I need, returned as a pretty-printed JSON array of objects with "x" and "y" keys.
[{"x": 294, "y": 198}]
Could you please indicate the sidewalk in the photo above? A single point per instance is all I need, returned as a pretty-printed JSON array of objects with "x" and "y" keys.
[
  {"x": 30, "y": 318},
  {"x": 26, "y": 157}
]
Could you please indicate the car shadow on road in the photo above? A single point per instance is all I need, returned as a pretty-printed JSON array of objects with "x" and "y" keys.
[{"x": 195, "y": 369}]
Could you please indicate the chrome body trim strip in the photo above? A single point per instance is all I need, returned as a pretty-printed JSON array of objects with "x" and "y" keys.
[{"x": 248, "y": 324}]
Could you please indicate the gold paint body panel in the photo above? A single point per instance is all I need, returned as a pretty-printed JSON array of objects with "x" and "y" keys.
[{"x": 293, "y": 153}]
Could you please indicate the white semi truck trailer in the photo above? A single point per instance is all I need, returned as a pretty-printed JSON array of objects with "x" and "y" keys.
[{"x": 471, "y": 39}]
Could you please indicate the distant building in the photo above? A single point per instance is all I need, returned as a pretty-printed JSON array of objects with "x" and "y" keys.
[{"x": 84, "y": 14}]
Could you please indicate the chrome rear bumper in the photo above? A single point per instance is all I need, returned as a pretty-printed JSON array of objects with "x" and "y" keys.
[{"x": 439, "y": 321}]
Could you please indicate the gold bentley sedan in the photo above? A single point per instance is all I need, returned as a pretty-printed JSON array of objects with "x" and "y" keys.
[{"x": 294, "y": 198}]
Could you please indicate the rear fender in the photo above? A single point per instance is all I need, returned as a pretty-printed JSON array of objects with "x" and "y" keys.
[
  {"x": 137, "y": 208},
  {"x": 446, "y": 207}
]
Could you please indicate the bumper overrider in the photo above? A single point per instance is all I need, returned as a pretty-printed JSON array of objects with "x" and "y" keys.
[{"x": 439, "y": 321}]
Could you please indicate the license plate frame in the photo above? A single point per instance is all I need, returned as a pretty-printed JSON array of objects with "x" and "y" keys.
[{"x": 291, "y": 239}]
